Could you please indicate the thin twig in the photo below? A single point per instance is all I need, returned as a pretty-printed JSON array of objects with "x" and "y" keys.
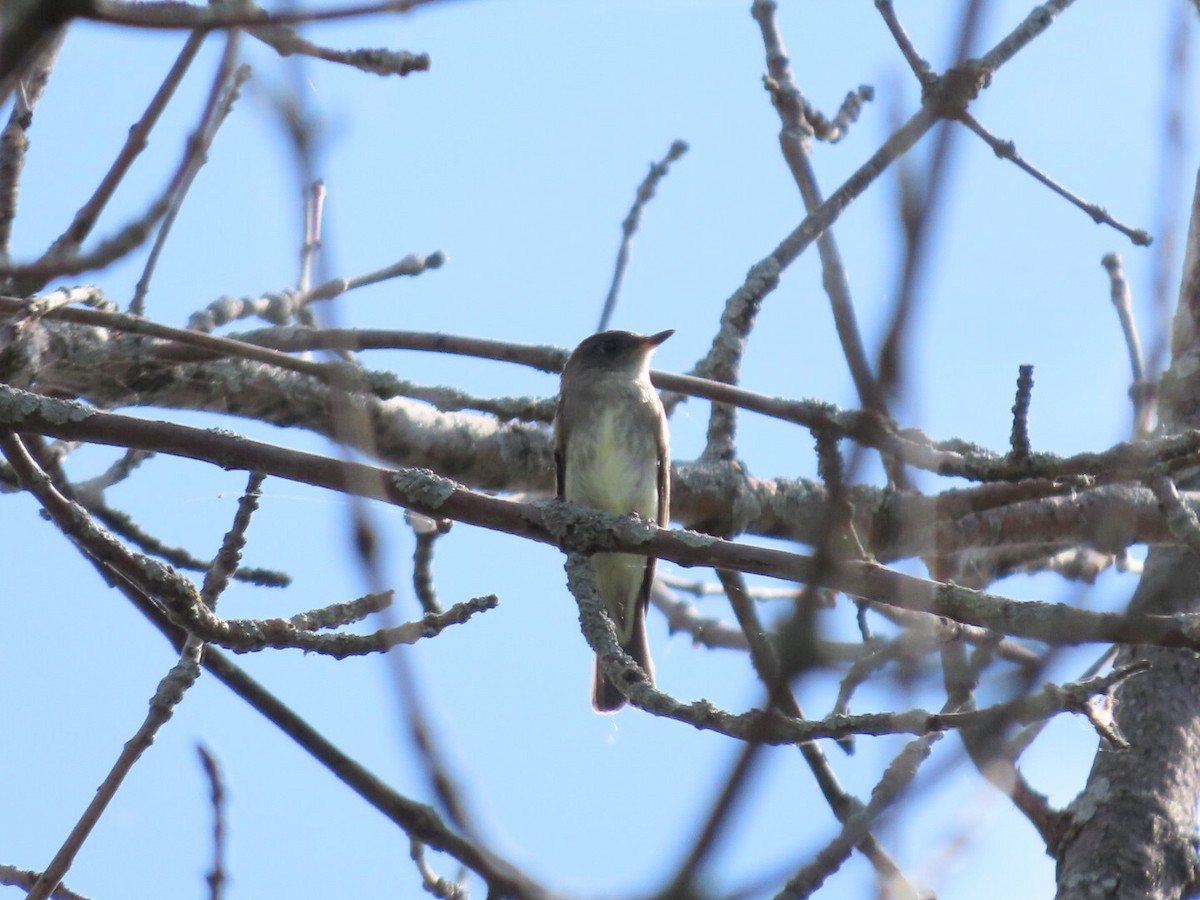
[
  {"x": 833, "y": 130},
  {"x": 216, "y": 877},
  {"x": 412, "y": 264},
  {"x": 426, "y": 531},
  {"x": 920, "y": 67},
  {"x": 14, "y": 140},
  {"x": 301, "y": 132},
  {"x": 907, "y": 648},
  {"x": 280, "y": 307},
  {"x": 225, "y": 563},
  {"x": 430, "y": 880},
  {"x": 984, "y": 742},
  {"x": 1019, "y": 440},
  {"x": 167, "y": 14},
  {"x": 1040, "y": 18},
  {"x": 113, "y": 475},
  {"x": 85, "y": 218},
  {"x": 221, "y": 98},
  {"x": 1008, "y": 150},
  {"x": 314, "y": 209},
  {"x": 682, "y": 615},
  {"x": 29, "y": 277},
  {"x": 287, "y": 41},
  {"x": 723, "y": 360},
  {"x": 895, "y": 781},
  {"x": 796, "y": 124},
  {"x": 191, "y": 610},
  {"x": 1142, "y": 389},
  {"x": 27, "y": 878},
  {"x": 949, "y": 94},
  {"x": 645, "y": 193},
  {"x": 125, "y": 526}
]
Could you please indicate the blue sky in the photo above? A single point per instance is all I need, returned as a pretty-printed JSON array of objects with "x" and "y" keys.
[{"x": 517, "y": 155}]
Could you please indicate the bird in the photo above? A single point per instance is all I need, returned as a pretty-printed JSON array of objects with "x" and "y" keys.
[{"x": 612, "y": 453}]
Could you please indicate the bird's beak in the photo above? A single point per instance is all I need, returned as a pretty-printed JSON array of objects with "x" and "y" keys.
[{"x": 655, "y": 339}]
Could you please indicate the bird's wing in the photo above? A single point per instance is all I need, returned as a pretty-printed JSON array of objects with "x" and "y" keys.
[
  {"x": 664, "y": 473},
  {"x": 560, "y": 455}
]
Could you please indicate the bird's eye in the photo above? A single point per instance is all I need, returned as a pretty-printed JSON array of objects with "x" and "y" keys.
[{"x": 609, "y": 347}]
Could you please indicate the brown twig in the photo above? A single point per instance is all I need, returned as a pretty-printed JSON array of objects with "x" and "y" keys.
[
  {"x": 228, "y": 558},
  {"x": 645, "y": 193},
  {"x": 216, "y": 877},
  {"x": 1008, "y": 150},
  {"x": 287, "y": 41},
  {"x": 85, "y": 218},
  {"x": 949, "y": 94},
  {"x": 124, "y": 525},
  {"x": 27, "y": 878},
  {"x": 920, "y": 67},
  {"x": 166, "y": 14},
  {"x": 1019, "y": 440},
  {"x": 426, "y": 531},
  {"x": 896, "y": 779},
  {"x": 14, "y": 140},
  {"x": 682, "y": 616},
  {"x": 280, "y": 307},
  {"x": 224, "y": 92},
  {"x": 796, "y": 125},
  {"x": 28, "y": 277}
]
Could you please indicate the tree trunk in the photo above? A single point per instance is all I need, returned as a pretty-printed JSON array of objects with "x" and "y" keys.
[{"x": 1135, "y": 822}]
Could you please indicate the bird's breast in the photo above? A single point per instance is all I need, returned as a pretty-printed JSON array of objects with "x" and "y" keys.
[{"x": 612, "y": 462}]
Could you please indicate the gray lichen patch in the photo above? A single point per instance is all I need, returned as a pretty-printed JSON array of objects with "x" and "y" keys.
[
  {"x": 17, "y": 406},
  {"x": 587, "y": 530},
  {"x": 424, "y": 488},
  {"x": 695, "y": 539}
]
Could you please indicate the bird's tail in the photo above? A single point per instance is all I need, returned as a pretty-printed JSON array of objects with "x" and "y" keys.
[{"x": 605, "y": 696}]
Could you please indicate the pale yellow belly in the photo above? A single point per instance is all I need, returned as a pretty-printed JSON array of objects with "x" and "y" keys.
[{"x": 611, "y": 469}]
